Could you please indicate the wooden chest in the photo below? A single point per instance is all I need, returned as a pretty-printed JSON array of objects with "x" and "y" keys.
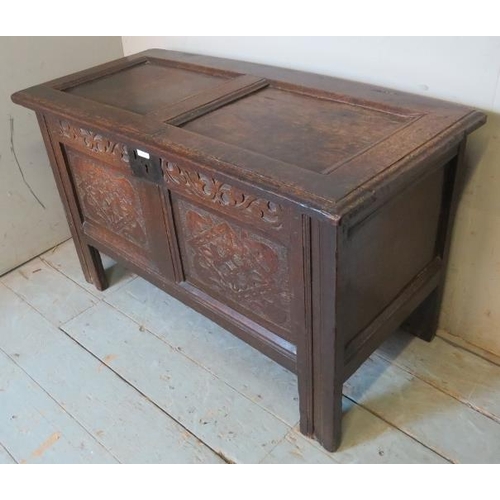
[{"x": 308, "y": 215}]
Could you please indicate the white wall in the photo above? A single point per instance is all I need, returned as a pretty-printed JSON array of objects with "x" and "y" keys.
[
  {"x": 27, "y": 228},
  {"x": 464, "y": 70}
]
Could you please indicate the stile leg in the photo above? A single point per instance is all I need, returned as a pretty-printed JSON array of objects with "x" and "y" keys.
[
  {"x": 326, "y": 380},
  {"x": 328, "y": 416},
  {"x": 321, "y": 406},
  {"x": 321, "y": 403},
  {"x": 90, "y": 259},
  {"x": 96, "y": 273}
]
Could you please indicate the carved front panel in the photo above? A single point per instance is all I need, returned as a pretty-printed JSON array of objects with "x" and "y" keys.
[
  {"x": 234, "y": 264},
  {"x": 108, "y": 198}
]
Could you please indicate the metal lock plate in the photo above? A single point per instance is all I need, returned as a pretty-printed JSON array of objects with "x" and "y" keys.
[{"x": 144, "y": 165}]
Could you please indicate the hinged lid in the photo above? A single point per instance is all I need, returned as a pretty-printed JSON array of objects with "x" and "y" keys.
[{"x": 314, "y": 139}]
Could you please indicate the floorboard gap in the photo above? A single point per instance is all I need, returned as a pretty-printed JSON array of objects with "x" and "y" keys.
[
  {"x": 34, "y": 257},
  {"x": 401, "y": 430},
  {"x": 470, "y": 351},
  {"x": 415, "y": 374},
  {"x": 59, "y": 405},
  {"x": 274, "y": 447},
  {"x": 218, "y": 453},
  {"x": 7, "y": 452},
  {"x": 161, "y": 339}
]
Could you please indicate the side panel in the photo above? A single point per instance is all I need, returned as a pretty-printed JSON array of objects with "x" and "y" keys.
[{"x": 383, "y": 253}]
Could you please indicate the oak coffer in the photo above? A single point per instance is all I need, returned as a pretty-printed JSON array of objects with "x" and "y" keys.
[{"x": 308, "y": 215}]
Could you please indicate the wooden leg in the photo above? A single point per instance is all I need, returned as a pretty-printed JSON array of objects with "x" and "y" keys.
[
  {"x": 327, "y": 348},
  {"x": 423, "y": 322},
  {"x": 90, "y": 260},
  {"x": 321, "y": 403},
  {"x": 93, "y": 269},
  {"x": 302, "y": 312},
  {"x": 306, "y": 406},
  {"x": 89, "y": 257},
  {"x": 328, "y": 417},
  {"x": 321, "y": 414}
]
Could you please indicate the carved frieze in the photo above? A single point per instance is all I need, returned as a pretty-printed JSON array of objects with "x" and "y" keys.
[
  {"x": 228, "y": 197},
  {"x": 93, "y": 141}
]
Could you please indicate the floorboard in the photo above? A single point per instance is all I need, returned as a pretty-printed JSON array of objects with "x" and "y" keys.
[
  {"x": 211, "y": 409},
  {"x": 246, "y": 370},
  {"x": 124, "y": 422},
  {"x": 35, "y": 429},
  {"x": 365, "y": 439},
  {"x": 48, "y": 291},
  {"x": 132, "y": 375},
  {"x": 63, "y": 258},
  {"x": 435, "y": 419},
  {"x": 250, "y": 372},
  {"x": 473, "y": 380},
  {"x": 6, "y": 457},
  {"x": 467, "y": 346}
]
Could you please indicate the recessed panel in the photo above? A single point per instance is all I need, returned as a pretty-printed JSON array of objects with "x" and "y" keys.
[
  {"x": 385, "y": 252},
  {"x": 120, "y": 211},
  {"x": 235, "y": 265},
  {"x": 108, "y": 198},
  {"x": 146, "y": 87},
  {"x": 315, "y": 134}
]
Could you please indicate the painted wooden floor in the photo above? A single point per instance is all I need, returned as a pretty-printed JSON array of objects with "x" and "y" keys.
[{"x": 131, "y": 375}]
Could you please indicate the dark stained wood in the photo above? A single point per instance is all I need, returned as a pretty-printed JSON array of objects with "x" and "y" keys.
[
  {"x": 327, "y": 339},
  {"x": 145, "y": 87},
  {"x": 392, "y": 316},
  {"x": 382, "y": 254},
  {"x": 312, "y": 131},
  {"x": 423, "y": 322},
  {"x": 310, "y": 216},
  {"x": 190, "y": 108},
  {"x": 89, "y": 257},
  {"x": 432, "y": 121},
  {"x": 235, "y": 265},
  {"x": 302, "y": 318}
]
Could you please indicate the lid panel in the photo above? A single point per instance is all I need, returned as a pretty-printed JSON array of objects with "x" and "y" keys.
[
  {"x": 314, "y": 134},
  {"x": 323, "y": 142},
  {"x": 146, "y": 87}
]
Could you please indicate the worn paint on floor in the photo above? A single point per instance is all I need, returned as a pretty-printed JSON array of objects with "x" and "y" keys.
[{"x": 132, "y": 375}]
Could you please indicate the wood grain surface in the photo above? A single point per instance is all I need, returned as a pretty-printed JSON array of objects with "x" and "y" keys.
[{"x": 308, "y": 215}]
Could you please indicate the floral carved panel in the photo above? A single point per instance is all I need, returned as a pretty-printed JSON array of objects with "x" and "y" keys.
[
  {"x": 108, "y": 198},
  {"x": 236, "y": 264}
]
